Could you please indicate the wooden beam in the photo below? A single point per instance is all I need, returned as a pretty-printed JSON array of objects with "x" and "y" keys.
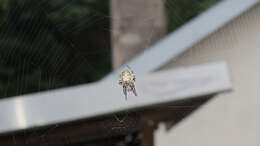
[
  {"x": 136, "y": 25},
  {"x": 99, "y": 99}
]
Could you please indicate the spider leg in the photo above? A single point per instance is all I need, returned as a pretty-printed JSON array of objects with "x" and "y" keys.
[
  {"x": 128, "y": 67},
  {"x": 125, "y": 92},
  {"x": 133, "y": 89}
]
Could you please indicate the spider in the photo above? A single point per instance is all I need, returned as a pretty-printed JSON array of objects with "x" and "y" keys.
[{"x": 127, "y": 79}]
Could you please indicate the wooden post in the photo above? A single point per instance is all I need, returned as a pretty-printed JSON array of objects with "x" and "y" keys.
[
  {"x": 147, "y": 138},
  {"x": 136, "y": 25}
]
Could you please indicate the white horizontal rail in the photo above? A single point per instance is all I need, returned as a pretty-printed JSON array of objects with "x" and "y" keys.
[{"x": 106, "y": 98}]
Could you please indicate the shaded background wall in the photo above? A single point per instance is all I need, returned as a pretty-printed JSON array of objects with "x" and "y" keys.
[{"x": 231, "y": 118}]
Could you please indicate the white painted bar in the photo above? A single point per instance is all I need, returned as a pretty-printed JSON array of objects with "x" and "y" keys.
[{"x": 106, "y": 98}]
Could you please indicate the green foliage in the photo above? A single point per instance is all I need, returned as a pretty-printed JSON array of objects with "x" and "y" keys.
[
  {"x": 181, "y": 11},
  {"x": 37, "y": 44}
]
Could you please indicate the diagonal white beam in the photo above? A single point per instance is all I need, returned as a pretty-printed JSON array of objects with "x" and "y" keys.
[
  {"x": 185, "y": 37},
  {"x": 97, "y": 99}
]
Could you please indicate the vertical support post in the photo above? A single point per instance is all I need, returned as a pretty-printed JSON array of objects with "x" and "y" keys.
[
  {"x": 147, "y": 133},
  {"x": 136, "y": 25}
]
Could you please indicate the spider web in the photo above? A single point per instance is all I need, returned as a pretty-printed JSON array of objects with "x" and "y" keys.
[{"x": 46, "y": 45}]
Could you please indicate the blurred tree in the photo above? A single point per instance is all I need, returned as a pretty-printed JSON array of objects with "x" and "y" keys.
[
  {"x": 181, "y": 11},
  {"x": 37, "y": 48}
]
